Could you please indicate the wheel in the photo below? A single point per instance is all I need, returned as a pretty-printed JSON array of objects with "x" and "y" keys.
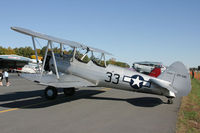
[
  {"x": 69, "y": 91},
  {"x": 169, "y": 101},
  {"x": 50, "y": 92}
]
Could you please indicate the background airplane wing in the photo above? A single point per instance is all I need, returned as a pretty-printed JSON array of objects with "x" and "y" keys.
[
  {"x": 57, "y": 40},
  {"x": 65, "y": 81},
  {"x": 13, "y": 61}
]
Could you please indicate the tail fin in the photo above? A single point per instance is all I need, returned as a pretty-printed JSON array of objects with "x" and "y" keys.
[{"x": 178, "y": 75}]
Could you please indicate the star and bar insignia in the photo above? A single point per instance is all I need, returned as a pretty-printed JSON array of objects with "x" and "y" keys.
[{"x": 136, "y": 81}]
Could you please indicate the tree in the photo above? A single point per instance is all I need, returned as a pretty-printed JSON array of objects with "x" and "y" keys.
[
  {"x": 26, "y": 52},
  {"x": 9, "y": 51},
  {"x": 118, "y": 63},
  {"x": 56, "y": 50},
  {"x": 39, "y": 52},
  {"x": 2, "y": 51},
  {"x": 42, "y": 52}
]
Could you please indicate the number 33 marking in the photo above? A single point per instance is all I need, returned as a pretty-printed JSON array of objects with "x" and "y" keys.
[{"x": 115, "y": 80}]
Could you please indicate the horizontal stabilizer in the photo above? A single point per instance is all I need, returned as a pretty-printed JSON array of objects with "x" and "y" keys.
[
  {"x": 65, "y": 81},
  {"x": 163, "y": 84}
]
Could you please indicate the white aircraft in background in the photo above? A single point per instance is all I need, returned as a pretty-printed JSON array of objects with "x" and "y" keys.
[
  {"x": 19, "y": 63},
  {"x": 31, "y": 67},
  {"x": 12, "y": 62},
  {"x": 76, "y": 70},
  {"x": 146, "y": 66}
]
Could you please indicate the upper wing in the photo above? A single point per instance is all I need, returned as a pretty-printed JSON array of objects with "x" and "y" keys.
[
  {"x": 57, "y": 40},
  {"x": 65, "y": 81}
]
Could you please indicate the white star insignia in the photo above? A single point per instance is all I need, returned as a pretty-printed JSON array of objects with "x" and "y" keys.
[{"x": 137, "y": 82}]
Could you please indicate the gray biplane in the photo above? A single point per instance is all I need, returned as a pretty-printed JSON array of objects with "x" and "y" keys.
[{"x": 73, "y": 70}]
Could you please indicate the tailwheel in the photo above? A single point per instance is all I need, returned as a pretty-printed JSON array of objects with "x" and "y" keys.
[
  {"x": 50, "y": 92},
  {"x": 69, "y": 91},
  {"x": 169, "y": 101}
]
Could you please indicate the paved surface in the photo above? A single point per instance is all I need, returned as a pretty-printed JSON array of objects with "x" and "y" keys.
[{"x": 23, "y": 109}]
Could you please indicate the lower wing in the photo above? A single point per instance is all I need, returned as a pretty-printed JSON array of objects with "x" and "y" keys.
[{"x": 65, "y": 81}]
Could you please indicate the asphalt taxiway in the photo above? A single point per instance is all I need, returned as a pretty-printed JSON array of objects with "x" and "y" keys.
[{"x": 23, "y": 109}]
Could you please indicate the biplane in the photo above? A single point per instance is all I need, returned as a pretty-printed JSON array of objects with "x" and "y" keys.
[{"x": 75, "y": 69}]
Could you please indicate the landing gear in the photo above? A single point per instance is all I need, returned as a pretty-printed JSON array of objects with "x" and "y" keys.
[
  {"x": 169, "y": 101},
  {"x": 69, "y": 91},
  {"x": 50, "y": 92}
]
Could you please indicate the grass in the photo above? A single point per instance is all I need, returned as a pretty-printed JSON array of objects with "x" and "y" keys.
[{"x": 189, "y": 113}]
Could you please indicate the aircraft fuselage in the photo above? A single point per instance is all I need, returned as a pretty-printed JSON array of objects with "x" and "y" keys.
[{"x": 111, "y": 76}]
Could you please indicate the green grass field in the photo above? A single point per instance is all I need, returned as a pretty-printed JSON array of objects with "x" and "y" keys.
[{"x": 189, "y": 113}]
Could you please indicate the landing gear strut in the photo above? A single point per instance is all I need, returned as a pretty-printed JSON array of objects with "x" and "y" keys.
[
  {"x": 69, "y": 91},
  {"x": 169, "y": 101},
  {"x": 50, "y": 92}
]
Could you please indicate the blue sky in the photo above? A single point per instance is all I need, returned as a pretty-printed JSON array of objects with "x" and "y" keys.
[{"x": 142, "y": 30}]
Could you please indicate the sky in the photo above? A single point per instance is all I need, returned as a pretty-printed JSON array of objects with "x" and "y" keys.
[{"x": 132, "y": 30}]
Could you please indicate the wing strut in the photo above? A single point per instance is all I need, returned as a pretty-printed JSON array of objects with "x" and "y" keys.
[
  {"x": 74, "y": 54},
  {"x": 45, "y": 57},
  {"x": 54, "y": 60},
  {"x": 33, "y": 39},
  {"x": 104, "y": 59},
  {"x": 61, "y": 49}
]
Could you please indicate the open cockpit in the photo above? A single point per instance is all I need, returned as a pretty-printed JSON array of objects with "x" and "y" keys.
[{"x": 85, "y": 56}]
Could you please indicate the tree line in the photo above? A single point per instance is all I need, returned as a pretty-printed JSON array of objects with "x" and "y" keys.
[
  {"x": 28, "y": 52},
  {"x": 22, "y": 51}
]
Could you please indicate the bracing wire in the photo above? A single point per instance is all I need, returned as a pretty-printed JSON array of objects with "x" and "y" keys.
[{"x": 38, "y": 43}]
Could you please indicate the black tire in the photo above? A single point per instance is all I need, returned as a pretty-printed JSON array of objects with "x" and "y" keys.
[
  {"x": 50, "y": 93},
  {"x": 170, "y": 101},
  {"x": 69, "y": 91}
]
